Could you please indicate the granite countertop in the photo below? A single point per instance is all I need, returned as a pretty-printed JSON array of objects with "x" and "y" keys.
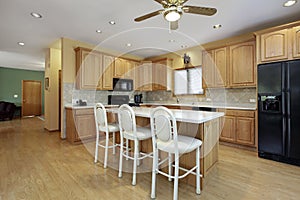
[
  {"x": 189, "y": 116},
  {"x": 198, "y": 104},
  {"x": 76, "y": 106},
  {"x": 207, "y": 105}
]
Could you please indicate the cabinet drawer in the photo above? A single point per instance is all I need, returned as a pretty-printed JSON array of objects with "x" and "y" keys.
[
  {"x": 239, "y": 113},
  {"x": 88, "y": 111}
]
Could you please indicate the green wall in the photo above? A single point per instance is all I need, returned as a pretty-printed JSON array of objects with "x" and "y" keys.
[{"x": 11, "y": 83}]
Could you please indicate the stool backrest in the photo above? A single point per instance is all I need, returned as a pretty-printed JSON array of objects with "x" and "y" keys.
[
  {"x": 127, "y": 122},
  {"x": 163, "y": 125},
  {"x": 100, "y": 115}
]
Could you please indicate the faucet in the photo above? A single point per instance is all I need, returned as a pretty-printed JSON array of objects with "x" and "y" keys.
[{"x": 177, "y": 100}]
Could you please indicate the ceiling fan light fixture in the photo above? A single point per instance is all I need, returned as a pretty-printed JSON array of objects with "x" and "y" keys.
[{"x": 172, "y": 16}]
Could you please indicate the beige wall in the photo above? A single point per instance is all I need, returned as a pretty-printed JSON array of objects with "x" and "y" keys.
[
  {"x": 53, "y": 65},
  {"x": 195, "y": 54}
]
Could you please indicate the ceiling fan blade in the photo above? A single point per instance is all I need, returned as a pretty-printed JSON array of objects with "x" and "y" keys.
[
  {"x": 174, "y": 25},
  {"x": 162, "y": 2},
  {"x": 199, "y": 10},
  {"x": 138, "y": 19}
]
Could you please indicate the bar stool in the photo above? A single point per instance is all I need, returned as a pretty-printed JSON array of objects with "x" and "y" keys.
[
  {"x": 165, "y": 138},
  {"x": 129, "y": 131},
  {"x": 103, "y": 126}
]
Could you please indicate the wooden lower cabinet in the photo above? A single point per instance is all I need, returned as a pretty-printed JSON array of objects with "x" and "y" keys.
[
  {"x": 238, "y": 127},
  {"x": 80, "y": 125}
]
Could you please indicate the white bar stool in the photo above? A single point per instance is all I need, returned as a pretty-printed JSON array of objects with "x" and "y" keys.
[
  {"x": 129, "y": 131},
  {"x": 165, "y": 138},
  {"x": 103, "y": 126}
]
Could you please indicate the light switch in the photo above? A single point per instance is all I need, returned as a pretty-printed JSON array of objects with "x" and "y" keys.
[{"x": 15, "y": 96}]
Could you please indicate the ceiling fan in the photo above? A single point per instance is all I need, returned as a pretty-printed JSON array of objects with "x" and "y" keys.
[{"x": 173, "y": 10}]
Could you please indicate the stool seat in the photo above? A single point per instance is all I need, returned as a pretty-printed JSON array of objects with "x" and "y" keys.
[
  {"x": 185, "y": 144},
  {"x": 141, "y": 134},
  {"x": 113, "y": 127}
]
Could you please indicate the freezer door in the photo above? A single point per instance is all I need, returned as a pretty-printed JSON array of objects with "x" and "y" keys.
[
  {"x": 271, "y": 128},
  {"x": 293, "y": 109},
  {"x": 269, "y": 78}
]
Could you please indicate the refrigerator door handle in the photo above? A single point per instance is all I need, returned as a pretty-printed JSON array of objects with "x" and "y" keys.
[{"x": 288, "y": 116}]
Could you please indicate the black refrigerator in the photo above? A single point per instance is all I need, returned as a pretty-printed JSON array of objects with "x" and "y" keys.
[{"x": 279, "y": 111}]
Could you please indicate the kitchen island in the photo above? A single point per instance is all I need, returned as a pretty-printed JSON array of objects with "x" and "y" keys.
[{"x": 199, "y": 124}]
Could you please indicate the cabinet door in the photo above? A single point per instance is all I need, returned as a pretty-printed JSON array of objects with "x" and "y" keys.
[
  {"x": 221, "y": 67},
  {"x": 242, "y": 64},
  {"x": 85, "y": 126},
  {"x": 89, "y": 66},
  {"x": 129, "y": 70},
  {"x": 296, "y": 41},
  {"x": 107, "y": 76},
  {"x": 144, "y": 76},
  {"x": 208, "y": 67},
  {"x": 120, "y": 66},
  {"x": 245, "y": 131},
  {"x": 159, "y": 75},
  {"x": 228, "y": 129},
  {"x": 274, "y": 45}
]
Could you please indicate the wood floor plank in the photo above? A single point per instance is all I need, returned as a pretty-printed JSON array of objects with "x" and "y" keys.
[{"x": 36, "y": 164}]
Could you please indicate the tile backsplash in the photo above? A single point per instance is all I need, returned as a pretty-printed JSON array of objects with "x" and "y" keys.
[
  {"x": 230, "y": 96},
  {"x": 216, "y": 95}
]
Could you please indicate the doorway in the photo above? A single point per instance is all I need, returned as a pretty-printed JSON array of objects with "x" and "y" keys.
[{"x": 31, "y": 98}]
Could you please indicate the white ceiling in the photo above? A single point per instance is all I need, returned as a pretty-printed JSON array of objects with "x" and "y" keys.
[{"x": 79, "y": 19}]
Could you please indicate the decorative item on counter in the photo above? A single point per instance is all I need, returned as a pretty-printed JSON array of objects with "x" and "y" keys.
[
  {"x": 186, "y": 59},
  {"x": 82, "y": 103}
]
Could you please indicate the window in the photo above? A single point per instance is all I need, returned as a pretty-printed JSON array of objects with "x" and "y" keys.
[{"x": 188, "y": 81}]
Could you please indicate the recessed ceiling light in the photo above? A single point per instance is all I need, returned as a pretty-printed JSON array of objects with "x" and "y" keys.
[
  {"x": 98, "y": 31},
  {"x": 21, "y": 43},
  {"x": 128, "y": 44},
  {"x": 171, "y": 40},
  {"x": 289, "y": 3},
  {"x": 184, "y": 46},
  {"x": 217, "y": 26},
  {"x": 112, "y": 22},
  {"x": 36, "y": 15}
]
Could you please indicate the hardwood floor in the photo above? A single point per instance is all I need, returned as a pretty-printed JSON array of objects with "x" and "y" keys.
[{"x": 35, "y": 164}]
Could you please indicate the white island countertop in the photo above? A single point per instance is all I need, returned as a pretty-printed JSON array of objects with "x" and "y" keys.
[{"x": 189, "y": 116}]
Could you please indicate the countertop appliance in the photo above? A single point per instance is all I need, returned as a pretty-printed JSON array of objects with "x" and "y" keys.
[
  {"x": 118, "y": 99},
  {"x": 122, "y": 84},
  {"x": 279, "y": 111},
  {"x": 138, "y": 98}
]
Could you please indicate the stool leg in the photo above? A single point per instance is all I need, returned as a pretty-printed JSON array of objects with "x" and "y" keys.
[
  {"x": 97, "y": 145},
  {"x": 175, "y": 195},
  {"x": 154, "y": 168},
  {"x": 114, "y": 143},
  {"x": 198, "y": 171},
  {"x": 170, "y": 167},
  {"x": 106, "y": 149},
  {"x": 121, "y": 157},
  {"x": 127, "y": 149},
  {"x": 136, "y": 146}
]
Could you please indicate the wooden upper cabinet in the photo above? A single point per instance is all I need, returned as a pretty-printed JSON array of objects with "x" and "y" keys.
[
  {"x": 129, "y": 70},
  {"x": 108, "y": 71},
  {"x": 159, "y": 75},
  {"x": 208, "y": 67},
  {"x": 144, "y": 76},
  {"x": 89, "y": 69},
  {"x": 296, "y": 41},
  {"x": 214, "y": 67},
  {"x": 221, "y": 67},
  {"x": 274, "y": 46},
  {"x": 242, "y": 65},
  {"x": 119, "y": 67}
]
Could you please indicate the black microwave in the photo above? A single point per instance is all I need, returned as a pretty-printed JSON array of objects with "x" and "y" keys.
[{"x": 122, "y": 84}]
